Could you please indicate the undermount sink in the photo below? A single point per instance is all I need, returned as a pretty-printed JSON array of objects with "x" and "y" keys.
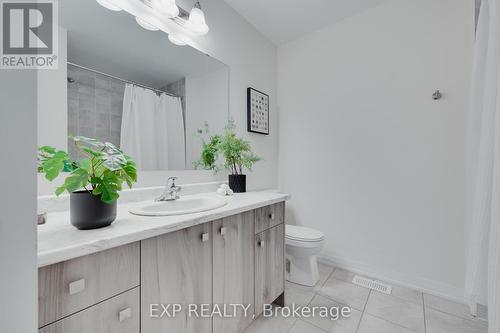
[{"x": 184, "y": 205}]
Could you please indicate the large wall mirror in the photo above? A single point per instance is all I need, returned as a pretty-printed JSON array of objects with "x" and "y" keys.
[{"x": 120, "y": 83}]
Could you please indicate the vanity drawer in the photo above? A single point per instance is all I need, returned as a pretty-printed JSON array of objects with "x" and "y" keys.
[
  {"x": 269, "y": 216},
  {"x": 119, "y": 314},
  {"x": 76, "y": 284}
]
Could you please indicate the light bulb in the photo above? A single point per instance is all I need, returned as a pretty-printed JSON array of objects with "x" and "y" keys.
[
  {"x": 146, "y": 25},
  {"x": 176, "y": 39},
  {"x": 109, "y": 5},
  {"x": 196, "y": 22},
  {"x": 166, "y": 7}
]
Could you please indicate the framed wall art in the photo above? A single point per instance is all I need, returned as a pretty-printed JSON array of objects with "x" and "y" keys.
[{"x": 257, "y": 111}]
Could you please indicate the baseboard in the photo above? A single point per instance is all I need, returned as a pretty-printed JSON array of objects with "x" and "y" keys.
[{"x": 432, "y": 287}]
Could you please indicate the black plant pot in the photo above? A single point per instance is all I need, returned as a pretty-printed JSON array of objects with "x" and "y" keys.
[
  {"x": 87, "y": 211},
  {"x": 238, "y": 183}
]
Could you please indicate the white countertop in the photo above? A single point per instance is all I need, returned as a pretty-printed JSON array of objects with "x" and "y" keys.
[{"x": 59, "y": 241}]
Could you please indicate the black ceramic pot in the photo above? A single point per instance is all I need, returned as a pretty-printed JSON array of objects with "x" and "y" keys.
[
  {"x": 238, "y": 183},
  {"x": 87, "y": 211}
]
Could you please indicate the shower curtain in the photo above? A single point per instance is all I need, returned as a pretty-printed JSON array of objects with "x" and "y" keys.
[
  {"x": 483, "y": 168},
  {"x": 152, "y": 130}
]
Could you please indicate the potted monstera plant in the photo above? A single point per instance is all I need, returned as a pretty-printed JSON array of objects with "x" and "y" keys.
[
  {"x": 237, "y": 154},
  {"x": 93, "y": 182}
]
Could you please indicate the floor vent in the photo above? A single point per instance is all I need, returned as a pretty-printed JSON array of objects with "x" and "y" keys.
[{"x": 371, "y": 284}]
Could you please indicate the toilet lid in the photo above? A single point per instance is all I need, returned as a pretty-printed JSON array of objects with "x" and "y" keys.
[{"x": 303, "y": 233}]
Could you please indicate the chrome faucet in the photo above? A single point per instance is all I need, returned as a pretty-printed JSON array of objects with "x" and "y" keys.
[{"x": 171, "y": 191}]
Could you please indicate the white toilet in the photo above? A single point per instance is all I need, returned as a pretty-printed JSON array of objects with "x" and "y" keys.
[{"x": 302, "y": 246}]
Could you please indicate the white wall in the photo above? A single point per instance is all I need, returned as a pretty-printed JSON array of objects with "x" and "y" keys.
[
  {"x": 18, "y": 273},
  {"x": 205, "y": 102},
  {"x": 368, "y": 156},
  {"x": 252, "y": 62},
  {"x": 52, "y": 101}
]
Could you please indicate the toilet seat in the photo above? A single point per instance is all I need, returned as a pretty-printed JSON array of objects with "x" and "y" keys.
[{"x": 299, "y": 234}]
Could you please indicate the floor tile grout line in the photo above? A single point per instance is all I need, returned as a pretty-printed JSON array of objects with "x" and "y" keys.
[
  {"x": 384, "y": 319},
  {"x": 324, "y": 295},
  {"x": 291, "y": 326},
  {"x": 360, "y": 320},
  {"x": 475, "y": 320},
  {"x": 363, "y": 312},
  {"x": 366, "y": 302},
  {"x": 391, "y": 322},
  {"x": 423, "y": 309},
  {"x": 478, "y": 321},
  {"x": 326, "y": 279},
  {"x": 314, "y": 325},
  {"x": 317, "y": 293},
  {"x": 336, "y": 301},
  {"x": 329, "y": 275}
]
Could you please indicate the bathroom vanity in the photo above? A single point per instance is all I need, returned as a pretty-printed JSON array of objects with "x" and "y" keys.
[{"x": 114, "y": 279}]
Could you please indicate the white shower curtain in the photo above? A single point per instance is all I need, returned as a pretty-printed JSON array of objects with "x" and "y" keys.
[
  {"x": 483, "y": 169},
  {"x": 175, "y": 132},
  {"x": 152, "y": 130}
]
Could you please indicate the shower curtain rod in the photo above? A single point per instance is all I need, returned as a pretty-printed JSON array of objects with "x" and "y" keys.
[{"x": 123, "y": 80}]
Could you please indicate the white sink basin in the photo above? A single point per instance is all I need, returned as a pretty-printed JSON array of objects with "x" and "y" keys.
[{"x": 184, "y": 205}]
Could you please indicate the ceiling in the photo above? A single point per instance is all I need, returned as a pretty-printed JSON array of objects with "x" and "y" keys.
[
  {"x": 113, "y": 43},
  {"x": 284, "y": 20}
]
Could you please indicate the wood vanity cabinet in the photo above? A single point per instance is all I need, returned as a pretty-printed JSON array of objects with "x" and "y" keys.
[
  {"x": 71, "y": 286},
  {"x": 234, "y": 260},
  {"x": 269, "y": 267},
  {"x": 176, "y": 268},
  {"x": 233, "y": 269},
  {"x": 269, "y": 216},
  {"x": 119, "y": 314}
]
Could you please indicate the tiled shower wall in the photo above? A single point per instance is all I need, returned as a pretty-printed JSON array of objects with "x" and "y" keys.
[{"x": 95, "y": 105}]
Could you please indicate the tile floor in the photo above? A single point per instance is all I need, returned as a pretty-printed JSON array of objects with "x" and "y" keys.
[{"x": 404, "y": 311}]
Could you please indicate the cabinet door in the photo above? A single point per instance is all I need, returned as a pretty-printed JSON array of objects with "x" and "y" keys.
[
  {"x": 233, "y": 257},
  {"x": 269, "y": 266},
  {"x": 119, "y": 314},
  {"x": 176, "y": 268}
]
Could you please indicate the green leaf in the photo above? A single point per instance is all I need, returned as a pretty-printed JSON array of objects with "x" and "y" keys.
[
  {"x": 69, "y": 166},
  {"x": 91, "y": 152},
  {"x": 47, "y": 149},
  {"x": 129, "y": 172},
  {"x": 108, "y": 187},
  {"x": 86, "y": 165},
  {"x": 54, "y": 165},
  {"x": 77, "y": 180},
  {"x": 60, "y": 190}
]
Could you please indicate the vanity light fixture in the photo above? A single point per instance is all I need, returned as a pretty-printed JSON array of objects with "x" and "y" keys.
[
  {"x": 109, "y": 5},
  {"x": 146, "y": 25},
  {"x": 165, "y": 15},
  {"x": 196, "y": 22},
  {"x": 166, "y": 7}
]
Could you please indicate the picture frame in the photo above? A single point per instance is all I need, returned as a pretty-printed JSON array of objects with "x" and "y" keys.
[{"x": 257, "y": 111}]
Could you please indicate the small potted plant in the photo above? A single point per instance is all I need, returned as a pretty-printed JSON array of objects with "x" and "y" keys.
[
  {"x": 236, "y": 152},
  {"x": 93, "y": 182}
]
